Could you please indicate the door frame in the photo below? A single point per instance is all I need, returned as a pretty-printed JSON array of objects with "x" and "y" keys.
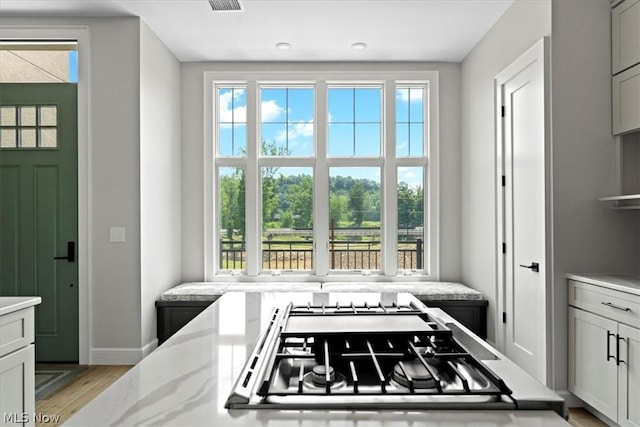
[
  {"x": 540, "y": 51},
  {"x": 81, "y": 34}
]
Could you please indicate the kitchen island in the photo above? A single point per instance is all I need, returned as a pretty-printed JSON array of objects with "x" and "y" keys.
[{"x": 187, "y": 380}]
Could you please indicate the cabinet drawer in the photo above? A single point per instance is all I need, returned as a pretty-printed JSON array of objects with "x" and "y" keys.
[
  {"x": 625, "y": 98},
  {"x": 616, "y": 305},
  {"x": 16, "y": 330}
]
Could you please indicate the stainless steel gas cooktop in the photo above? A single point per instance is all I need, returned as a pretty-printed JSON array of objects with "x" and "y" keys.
[{"x": 364, "y": 356}]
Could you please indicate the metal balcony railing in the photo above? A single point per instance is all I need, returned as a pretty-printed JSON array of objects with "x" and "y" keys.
[{"x": 343, "y": 255}]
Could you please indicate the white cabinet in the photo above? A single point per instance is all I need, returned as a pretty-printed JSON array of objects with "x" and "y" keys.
[
  {"x": 17, "y": 361},
  {"x": 629, "y": 377},
  {"x": 604, "y": 350},
  {"x": 625, "y": 35},
  {"x": 625, "y": 66},
  {"x": 17, "y": 388},
  {"x": 625, "y": 98}
]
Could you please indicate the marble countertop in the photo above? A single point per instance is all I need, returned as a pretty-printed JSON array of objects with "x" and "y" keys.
[
  {"x": 186, "y": 381},
  {"x": 619, "y": 282},
  {"x": 11, "y": 304}
]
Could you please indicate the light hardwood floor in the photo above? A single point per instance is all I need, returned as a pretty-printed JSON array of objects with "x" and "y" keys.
[
  {"x": 72, "y": 397},
  {"x": 87, "y": 385}
]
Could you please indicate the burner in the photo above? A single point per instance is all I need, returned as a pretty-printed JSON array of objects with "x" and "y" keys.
[
  {"x": 317, "y": 379},
  {"x": 416, "y": 371}
]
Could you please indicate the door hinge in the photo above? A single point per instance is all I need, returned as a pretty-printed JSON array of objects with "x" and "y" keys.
[
  {"x": 502, "y": 111},
  {"x": 504, "y": 180},
  {"x": 504, "y": 317},
  {"x": 504, "y": 248}
]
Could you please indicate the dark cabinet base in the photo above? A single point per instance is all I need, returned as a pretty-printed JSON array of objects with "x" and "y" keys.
[
  {"x": 472, "y": 313},
  {"x": 173, "y": 315}
]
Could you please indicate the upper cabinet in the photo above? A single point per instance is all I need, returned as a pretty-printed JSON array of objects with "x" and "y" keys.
[
  {"x": 625, "y": 63},
  {"x": 625, "y": 35}
]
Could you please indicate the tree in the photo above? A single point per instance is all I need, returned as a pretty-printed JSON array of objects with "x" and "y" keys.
[
  {"x": 232, "y": 202},
  {"x": 269, "y": 183},
  {"x": 406, "y": 205},
  {"x": 337, "y": 208},
  {"x": 357, "y": 197},
  {"x": 300, "y": 198}
]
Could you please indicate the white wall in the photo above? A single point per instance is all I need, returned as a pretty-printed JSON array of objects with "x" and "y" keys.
[
  {"x": 193, "y": 158},
  {"x": 122, "y": 175},
  {"x": 587, "y": 236},
  {"x": 160, "y": 176},
  {"x": 522, "y": 25}
]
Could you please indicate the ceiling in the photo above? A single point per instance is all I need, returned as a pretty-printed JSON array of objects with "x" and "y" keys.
[{"x": 318, "y": 30}]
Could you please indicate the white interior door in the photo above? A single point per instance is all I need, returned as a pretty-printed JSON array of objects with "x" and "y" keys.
[{"x": 521, "y": 90}]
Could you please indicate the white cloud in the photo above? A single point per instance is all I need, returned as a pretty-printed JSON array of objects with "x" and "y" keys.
[
  {"x": 227, "y": 114},
  {"x": 270, "y": 110},
  {"x": 296, "y": 131},
  {"x": 416, "y": 94},
  {"x": 411, "y": 176}
]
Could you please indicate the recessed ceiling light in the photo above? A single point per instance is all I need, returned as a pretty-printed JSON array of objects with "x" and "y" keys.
[
  {"x": 359, "y": 46},
  {"x": 283, "y": 46}
]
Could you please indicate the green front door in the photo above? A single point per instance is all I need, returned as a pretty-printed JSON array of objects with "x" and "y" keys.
[{"x": 39, "y": 209}]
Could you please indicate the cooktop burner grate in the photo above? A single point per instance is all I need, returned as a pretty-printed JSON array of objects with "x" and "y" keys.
[{"x": 372, "y": 350}]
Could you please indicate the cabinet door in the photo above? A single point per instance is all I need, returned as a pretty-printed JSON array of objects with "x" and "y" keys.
[
  {"x": 629, "y": 377},
  {"x": 17, "y": 387},
  {"x": 593, "y": 374},
  {"x": 625, "y": 98},
  {"x": 625, "y": 35}
]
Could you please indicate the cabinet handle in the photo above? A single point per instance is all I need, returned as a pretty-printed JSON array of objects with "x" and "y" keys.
[
  {"x": 609, "y": 357},
  {"x": 617, "y": 307},
  {"x": 618, "y": 360}
]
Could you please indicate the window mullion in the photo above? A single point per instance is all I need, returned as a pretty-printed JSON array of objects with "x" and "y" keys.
[
  {"x": 321, "y": 189},
  {"x": 253, "y": 232},
  {"x": 389, "y": 183}
]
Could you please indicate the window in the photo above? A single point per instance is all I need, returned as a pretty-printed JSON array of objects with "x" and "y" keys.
[
  {"x": 28, "y": 126},
  {"x": 38, "y": 62},
  {"x": 325, "y": 177}
]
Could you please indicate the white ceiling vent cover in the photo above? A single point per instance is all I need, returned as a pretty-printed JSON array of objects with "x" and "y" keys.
[{"x": 225, "y": 5}]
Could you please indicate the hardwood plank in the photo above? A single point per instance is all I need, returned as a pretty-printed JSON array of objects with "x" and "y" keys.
[{"x": 75, "y": 395}]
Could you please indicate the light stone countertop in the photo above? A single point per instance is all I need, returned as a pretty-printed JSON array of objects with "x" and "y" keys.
[
  {"x": 186, "y": 381},
  {"x": 11, "y": 304},
  {"x": 619, "y": 282}
]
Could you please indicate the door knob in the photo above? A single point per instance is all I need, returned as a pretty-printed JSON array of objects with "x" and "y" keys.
[
  {"x": 534, "y": 266},
  {"x": 71, "y": 252}
]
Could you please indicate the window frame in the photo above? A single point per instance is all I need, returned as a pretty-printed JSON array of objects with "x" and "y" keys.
[{"x": 321, "y": 163}]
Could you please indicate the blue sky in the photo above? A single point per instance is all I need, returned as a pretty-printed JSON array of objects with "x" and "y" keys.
[
  {"x": 354, "y": 123},
  {"x": 73, "y": 66}
]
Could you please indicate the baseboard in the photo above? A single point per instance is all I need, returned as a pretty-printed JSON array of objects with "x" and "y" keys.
[
  {"x": 570, "y": 399},
  {"x": 147, "y": 349},
  {"x": 116, "y": 356}
]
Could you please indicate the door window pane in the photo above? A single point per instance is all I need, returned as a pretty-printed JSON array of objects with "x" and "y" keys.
[
  {"x": 355, "y": 121},
  {"x": 231, "y": 216},
  {"x": 354, "y": 215},
  {"x": 28, "y": 137},
  {"x": 48, "y": 115},
  {"x": 287, "y": 218},
  {"x": 287, "y": 125},
  {"x": 28, "y": 126},
  {"x": 8, "y": 138},
  {"x": 411, "y": 245},
  {"x": 232, "y": 121},
  {"x": 8, "y": 116}
]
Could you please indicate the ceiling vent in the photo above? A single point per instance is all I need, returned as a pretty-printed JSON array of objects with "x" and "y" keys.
[{"x": 225, "y": 5}]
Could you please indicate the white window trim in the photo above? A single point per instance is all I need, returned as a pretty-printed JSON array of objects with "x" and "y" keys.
[{"x": 252, "y": 79}]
